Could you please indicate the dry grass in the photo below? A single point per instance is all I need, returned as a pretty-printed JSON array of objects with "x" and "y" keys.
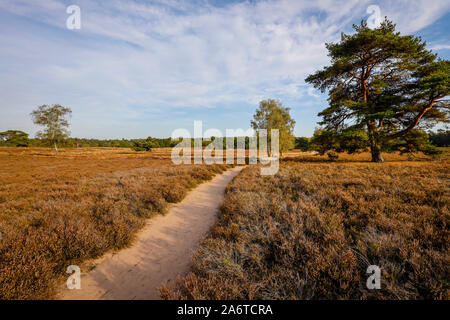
[
  {"x": 299, "y": 156},
  {"x": 86, "y": 153},
  {"x": 311, "y": 231},
  {"x": 65, "y": 209}
]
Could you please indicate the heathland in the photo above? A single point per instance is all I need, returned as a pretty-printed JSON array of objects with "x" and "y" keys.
[
  {"x": 308, "y": 232},
  {"x": 312, "y": 230},
  {"x": 58, "y": 210}
]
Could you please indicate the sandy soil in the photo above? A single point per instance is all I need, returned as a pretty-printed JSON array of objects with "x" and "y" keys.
[{"x": 161, "y": 251}]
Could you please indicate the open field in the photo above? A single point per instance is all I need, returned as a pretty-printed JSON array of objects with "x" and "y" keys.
[
  {"x": 64, "y": 209},
  {"x": 299, "y": 156},
  {"x": 308, "y": 232},
  {"x": 311, "y": 231},
  {"x": 86, "y": 153}
]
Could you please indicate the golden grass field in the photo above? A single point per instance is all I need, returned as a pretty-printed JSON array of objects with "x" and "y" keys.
[
  {"x": 307, "y": 232},
  {"x": 311, "y": 231},
  {"x": 58, "y": 210}
]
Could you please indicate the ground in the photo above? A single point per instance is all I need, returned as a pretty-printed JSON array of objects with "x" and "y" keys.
[
  {"x": 310, "y": 231},
  {"x": 57, "y": 210}
]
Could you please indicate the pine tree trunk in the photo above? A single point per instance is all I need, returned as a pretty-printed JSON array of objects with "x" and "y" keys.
[
  {"x": 375, "y": 147},
  {"x": 56, "y": 148},
  {"x": 376, "y": 153}
]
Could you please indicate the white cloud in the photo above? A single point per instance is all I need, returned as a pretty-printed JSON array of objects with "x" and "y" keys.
[
  {"x": 440, "y": 47},
  {"x": 411, "y": 16}
]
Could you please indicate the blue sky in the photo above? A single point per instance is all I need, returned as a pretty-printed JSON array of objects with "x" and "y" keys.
[{"x": 140, "y": 68}]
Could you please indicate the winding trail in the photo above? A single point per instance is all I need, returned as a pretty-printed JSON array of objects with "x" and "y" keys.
[{"x": 162, "y": 249}]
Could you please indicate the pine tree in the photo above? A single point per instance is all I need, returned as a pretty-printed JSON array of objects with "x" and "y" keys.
[{"x": 384, "y": 85}]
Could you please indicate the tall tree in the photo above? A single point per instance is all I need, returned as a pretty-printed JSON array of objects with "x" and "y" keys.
[
  {"x": 385, "y": 85},
  {"x": 55, "y": 123},
  {"x": 272, "y": 115}
]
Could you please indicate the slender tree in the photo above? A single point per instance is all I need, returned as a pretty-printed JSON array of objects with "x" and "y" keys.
[
  {"x": 384, "y": 88},
  {"x": 272, "y": 115},
  {"x": 55, "y": 123}
]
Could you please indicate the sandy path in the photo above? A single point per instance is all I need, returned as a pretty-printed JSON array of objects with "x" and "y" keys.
[{"x": 161, "y": 251}]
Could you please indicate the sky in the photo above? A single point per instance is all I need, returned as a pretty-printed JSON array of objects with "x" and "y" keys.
[{"x": 145, "y": 68}]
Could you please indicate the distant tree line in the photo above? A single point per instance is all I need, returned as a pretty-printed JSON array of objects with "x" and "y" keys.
[
  {"x": 17, "y": 138},
  {"x": 321, "y": 142},
  {"x": 441, "y": 138}
]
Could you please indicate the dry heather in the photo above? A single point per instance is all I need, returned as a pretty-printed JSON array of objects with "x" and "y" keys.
[
  {"x": 311, "y": 231},
  {"x": 61, "y": 210}
]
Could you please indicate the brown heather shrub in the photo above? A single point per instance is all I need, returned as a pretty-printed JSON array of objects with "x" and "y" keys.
[
  {"x": 311, "y": 231},
  {"x": 63, "y": 210}
]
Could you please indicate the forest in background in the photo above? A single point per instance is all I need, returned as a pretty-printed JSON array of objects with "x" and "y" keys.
[{"x": 16, "y": 138}]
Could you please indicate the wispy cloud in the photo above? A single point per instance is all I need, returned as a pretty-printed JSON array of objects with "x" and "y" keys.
[{"x": 440, "y": 47}]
